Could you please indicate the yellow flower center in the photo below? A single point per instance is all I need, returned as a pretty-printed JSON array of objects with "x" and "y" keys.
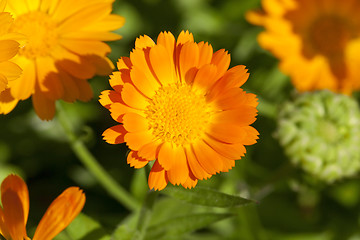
[
  {"x": 177, "y": 114},
  {"x": 40, "y": 30},
  {"x": 328, "y": 35}
]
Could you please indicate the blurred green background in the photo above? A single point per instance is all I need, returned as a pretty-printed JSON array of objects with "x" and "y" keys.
[{"x": 286, "y": 209}]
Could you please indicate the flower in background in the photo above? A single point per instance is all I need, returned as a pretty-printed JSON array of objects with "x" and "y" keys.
[
  {"x": 320, "y": 132},
  {"x": 180, "y": 105},
  {"x": 9, "y": 47},
  {"x": 65, "y": 48},
  {"x": 15, "y": 210},
  {"x": 317, "y": 42}
]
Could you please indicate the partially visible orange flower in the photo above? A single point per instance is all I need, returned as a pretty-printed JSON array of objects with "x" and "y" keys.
[
  {"x": 317, "y": 42},
  {"x": 9, "y": 46},
  {"x": 15, "y": 210},
  {"x": 180, "y": 105},
  {"x": 65, "y": 48}
]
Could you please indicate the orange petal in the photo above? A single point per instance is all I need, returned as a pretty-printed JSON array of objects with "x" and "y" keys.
[
  {"x": 48, "y": 78},
  {"x": 86, "y": 47},
  {"x": 3, "y": 228},
  {"x": 60, "y": 213},
  {"x": 168, "y": 155},
  {"x": 115, "y": 134},
  {"x": 195, "y": 168},
  {"x": 221, "y": 59},
  {"x": 227, "y": 163},
  {"x": 124, "y": 63},
  {"x": 3, "y": 83},
  {"x": 86, "y": 92},
  {"x": 135, "y": 161},
  {"x": 162, "y": 64},
  {"x": 179, "y": 172},
  {"x": 108, "y": 23},
  {"x": 205, "y": 77},
  {"x": 133, "y": 98},
  {"x": 71, "y": 91},
  {"x": 232, "y": 151},
  {"x": 7, "y": 102},
  {"x": 157, "y": 177},
  {"x": 44, "y": 107},
  {"x": 118, "y": 79},
  {"x": 108, "y": 97},
  {"x": 151, "y": 150},
  {"x": 190, "y": 182},
  {"x": 118, "y": 110},
  {"x": 234, "y": 98},
  {"x": 241, "y": 116},
  {"x": 15, "y": 201},
  {"x": 205, "y": 54},
  {"x": 188, "y": 58},
  {"x": 146, "y": 86},
  {"x": 252, "y": 135},
  {"x": 144, "y": 42},
  {"x": 207, "y": 157},
  {"x": 136, "y": 140},
  {"x": 135, "y": 123},
  {"x": 228, "y": 133}
]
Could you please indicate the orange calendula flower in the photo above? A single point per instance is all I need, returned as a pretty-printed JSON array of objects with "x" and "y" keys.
[
  {"x": 9, "y": 46},
  {"x": 317, "y": 42},
  {"x": 65, "y": 48},
  {"x": 15, "y": 210},
  {"x": 180, "y": 105}
]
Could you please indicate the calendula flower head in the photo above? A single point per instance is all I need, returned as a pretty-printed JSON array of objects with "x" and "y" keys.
[
  {"x": 9, "y": 47},
  {"x": 317, "y": 42},
  {"x": 178, "y": 104},
  {"x": 15, "y": 210},
  {"x": 320, "y": 133},
  {"x": 65, "y": 48}
]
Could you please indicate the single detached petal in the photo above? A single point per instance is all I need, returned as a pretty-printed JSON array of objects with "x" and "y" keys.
[{"x": 60, "y": 213}]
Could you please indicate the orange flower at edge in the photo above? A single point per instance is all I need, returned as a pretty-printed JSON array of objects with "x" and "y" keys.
[
  {"x": 15, "y": 210},
  {"x": 180, "y": 105}
]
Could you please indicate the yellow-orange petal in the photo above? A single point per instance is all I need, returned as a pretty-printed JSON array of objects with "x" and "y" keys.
[
  {"x": 10, "y": 70},
  {"x": 195, "y": 168},
  {"x": 184, "y": 37},
  {"x": 118, "y": 78},
  {"x": 157, "y": 177},
  {"x": 168, "y": 41},
  {"x": 133, "y": 122},
  {"x": 24, "y": 86},
  {"x": 135, "y": 161},
  {"x": 48, "y": 78},
  {"x": 115, "y": 134},
  {"x": 135, "y": 140},
  {"x": 124, "y": 63},
  {"x": 8, "y": 49},
  {"x": 207, "y": 157},
  {"x": 3, "y": 83},
  {"x": 85, "y": 47},
  {"x": 228, "y": 133},
  {"x": 15, "y": 201},
  {"x": 133, "y": 98},
  {"x": 144, "y": 42},
  {"x": 179, "y": 171},
  {"x": 235, "y": 98},
  {"x": 60, "y": 213}
]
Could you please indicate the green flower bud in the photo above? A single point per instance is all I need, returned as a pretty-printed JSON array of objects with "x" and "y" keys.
[{"x": 320, "y": 132}]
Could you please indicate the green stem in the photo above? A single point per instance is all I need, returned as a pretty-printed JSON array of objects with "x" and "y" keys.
[
  {"x": 89, "y": 161},
  {"x": 145, "y": 213}
]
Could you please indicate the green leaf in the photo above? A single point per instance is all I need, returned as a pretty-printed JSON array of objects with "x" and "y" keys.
[
  {"x": 124, "y": 232},
  {"x": 85, "y": 228},
  {"x": 206, "y": 197},
  {"x": 181, "y": 225}
]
